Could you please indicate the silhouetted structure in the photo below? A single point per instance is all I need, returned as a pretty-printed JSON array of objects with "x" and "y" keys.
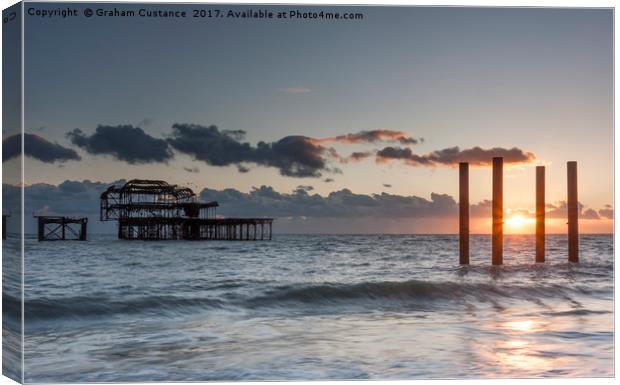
[
  {"x": 540, "y": 213},
  {"x": 57, "y": 228},
  {"x": 156, "y": 210},
  {"x": 498, "y": 211},
  {"x": 464, "y": 213},
  {"x": 4, "y": 217},
  {"x": 573, "y": 212}
]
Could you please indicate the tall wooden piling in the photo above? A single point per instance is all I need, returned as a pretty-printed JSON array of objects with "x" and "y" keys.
[
  {"x": 464, "y": 213},
  {"x": 498, "y": 211},
  {"x": 540, "y": 214},
  {"x": 573, "y": 212}
]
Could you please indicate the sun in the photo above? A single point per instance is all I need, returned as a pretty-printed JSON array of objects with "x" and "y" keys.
[{"x": 516, "y": 220}]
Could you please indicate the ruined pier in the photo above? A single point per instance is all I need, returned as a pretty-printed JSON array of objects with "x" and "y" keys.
[
  {"x": 58, "y": 228},
  {"x": 156, "y": 210}
]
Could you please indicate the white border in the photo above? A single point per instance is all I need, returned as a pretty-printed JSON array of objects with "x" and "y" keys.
[{"x": 474, "y": 3}]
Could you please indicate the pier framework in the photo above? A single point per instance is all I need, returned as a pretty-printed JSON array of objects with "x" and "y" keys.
[
  {"x": 156, "y": 210},
  {"x": 57, "y": 228}
]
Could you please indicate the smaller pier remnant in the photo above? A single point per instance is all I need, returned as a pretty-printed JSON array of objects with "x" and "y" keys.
[
  {"x": 58, "y": 228},
  {"x": 573, "y": 212},
  {"x": 464, "y": 213},
  {"x": 540, "y": 214},
  {"x": 4, "y": 217},
  {"x": 498, "y": 211}
]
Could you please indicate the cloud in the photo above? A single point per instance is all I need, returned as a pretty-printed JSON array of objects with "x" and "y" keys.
[
  {"x": 295, "y": 90},
  {"x": 124, "y": 142},
  {"x": 374, "y": 136},
  {"x": 328, "y": 180},
  {"x": 476, "y": 156},
  {"x": 306, "y": 188},
  {"x": 265, "y": 201},
  {"x": 81, "y": 198},
  {"x": 294, "y": 156},
  {"x": 36, "y": 147},
  {"x": 590, "y": 214},
  {"x": 481, "y": 209},
  {"x": 69, "y": 198},
  {"x": 387, "y": 185},
  {"x": 560, "y": 210},
  {"x": 145, "y": 122},
  {"x": 193, "y": 170},
  {"x": 607, "y": 212},
  {"x": 357, "y": 156}
]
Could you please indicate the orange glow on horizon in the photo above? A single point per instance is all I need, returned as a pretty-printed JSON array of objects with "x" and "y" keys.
[{"x": 527, "y": 225}]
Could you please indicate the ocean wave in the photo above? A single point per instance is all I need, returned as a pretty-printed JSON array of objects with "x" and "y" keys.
[
  {"x": 412, "y": 294},
  {"x": 84, "y": 306},
  {"x": 407, "y": 291}
]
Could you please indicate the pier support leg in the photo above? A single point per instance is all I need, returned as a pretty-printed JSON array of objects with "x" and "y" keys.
[
  {"x": 40, "y": 229},
  {"x": 83, "y": 231},
  {"x": 573, "y": 213},
  {"x": 498, "y": 211},
  {"x": 464, "y": 213},
  {"x": 540, "y": 214}
]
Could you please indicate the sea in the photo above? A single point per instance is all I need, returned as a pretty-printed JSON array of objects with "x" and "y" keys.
[{"x": 313, "y": 307}]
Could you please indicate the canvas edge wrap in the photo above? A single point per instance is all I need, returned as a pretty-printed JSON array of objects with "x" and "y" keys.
[{"x": 13, "y": 209}]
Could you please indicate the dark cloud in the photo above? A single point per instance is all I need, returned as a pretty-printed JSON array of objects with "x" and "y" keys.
[
  {"x": 36, "y": 147},
  {"x": 476, "y": 156},
  {"x": 481, "y": 209},
  {"x": 387, "y": 185},
  {"x": 75, "y": 198},
  {"x": 125, "y": 142},
  {"x": 590, "y": 214},
  {"x": 560, "y": 210},
  {"x": 607, "y": 212},
  {"x": 68, "y": 198},
  {"x": 328, "y": 180},
  {"x": 374, "y": 136},
  {"x": 193, "y": 170},
  {"x": 295, "y": 156},
  {"x": 242, "y": 169},
  {"x": 358, "y": 156},
  {"x": 265, "y": 201},
  {"x": 305, "y": 188}
]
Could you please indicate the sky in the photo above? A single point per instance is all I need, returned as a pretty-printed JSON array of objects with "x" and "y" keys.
[{"x": 331, "y": 126}]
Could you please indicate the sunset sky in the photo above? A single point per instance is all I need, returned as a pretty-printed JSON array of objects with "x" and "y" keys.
[{"x": 371, "y": 106}]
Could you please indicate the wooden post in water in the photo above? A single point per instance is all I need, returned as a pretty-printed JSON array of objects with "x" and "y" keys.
[
  {"x": 498, "y": 211},
  {"x": 540, "y": 213},
  {"x": 573, "y": 213},
  {"x": 464, "y": 213}
]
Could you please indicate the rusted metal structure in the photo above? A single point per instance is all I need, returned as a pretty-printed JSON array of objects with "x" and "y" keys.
[
  {"x": 573, "y": 212},
  {"x": 540, "y": 214},
  {"x": 498, "y": 211},
  {"x": 156, "y": 210},
  {"x": 464, "y": 213},
  {"x": 497, "y": 257},
  {"x": 57, "y": 228}
]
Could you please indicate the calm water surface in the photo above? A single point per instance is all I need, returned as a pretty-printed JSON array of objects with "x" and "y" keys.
[{"x": 315, "y": 307}]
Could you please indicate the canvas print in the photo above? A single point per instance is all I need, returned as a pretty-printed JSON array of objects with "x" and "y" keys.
[{"x": 223, "y": 192}]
